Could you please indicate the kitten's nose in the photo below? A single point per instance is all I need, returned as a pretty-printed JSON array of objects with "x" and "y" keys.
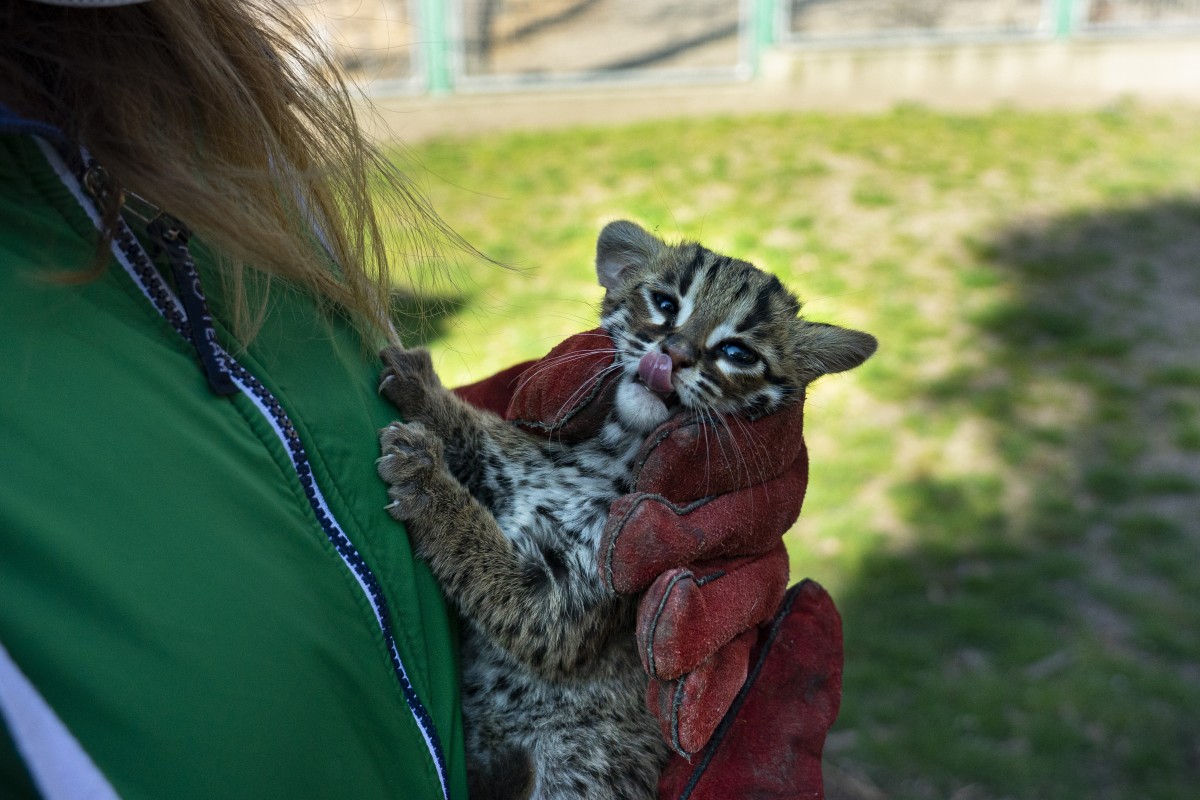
[{"x": 681, "y": 351}]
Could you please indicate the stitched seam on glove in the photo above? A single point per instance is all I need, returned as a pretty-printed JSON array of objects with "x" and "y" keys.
[
  {"x": 597, "y": 384},
  {"x": 662, "y": 604},
  {"x": 710, "y": 578},
  {"x": 739, "y": 701},
  {"x": 658, "y": 498},
  {"x": 676, "y": 704}
]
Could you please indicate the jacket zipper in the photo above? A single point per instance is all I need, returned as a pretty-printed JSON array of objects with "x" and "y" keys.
[{"x": 72, "y": 169}]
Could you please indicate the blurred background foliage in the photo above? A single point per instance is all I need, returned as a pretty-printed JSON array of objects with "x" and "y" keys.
[{"x": 1005, "y": 501}]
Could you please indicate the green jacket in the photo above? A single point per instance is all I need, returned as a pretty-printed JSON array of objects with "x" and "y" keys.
[{"x": 200, "y": 620}]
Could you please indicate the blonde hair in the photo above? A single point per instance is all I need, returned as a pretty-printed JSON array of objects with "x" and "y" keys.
[{"x": 230, "y": 116}]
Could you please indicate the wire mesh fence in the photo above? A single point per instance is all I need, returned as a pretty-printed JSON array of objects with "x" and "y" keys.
[
  {"x": 821, "y": 21},
  {"x": 890, "y": 19},
  {"x": 1102, "y": 15},
  {"x": 443, "y": 45},
  {"x": 540, "y": 40},
  {"x": 380, "y": 43}
]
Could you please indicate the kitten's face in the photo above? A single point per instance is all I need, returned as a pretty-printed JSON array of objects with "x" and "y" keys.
[{"x": 700, "y": 331}]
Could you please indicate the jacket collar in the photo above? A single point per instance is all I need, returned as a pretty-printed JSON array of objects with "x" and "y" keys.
[{"x": 12, "y": 122}]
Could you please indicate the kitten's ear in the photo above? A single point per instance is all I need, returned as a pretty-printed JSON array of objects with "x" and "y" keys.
[
  {"x": 623, "y": 245},
  {"x": 824, "y": 349}
]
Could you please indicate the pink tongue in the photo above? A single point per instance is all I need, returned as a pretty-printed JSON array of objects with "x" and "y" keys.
[{"x": 655, "y": 371}]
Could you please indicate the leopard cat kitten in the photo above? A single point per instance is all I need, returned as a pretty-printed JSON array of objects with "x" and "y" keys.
[{"x": 553, "y": 690}]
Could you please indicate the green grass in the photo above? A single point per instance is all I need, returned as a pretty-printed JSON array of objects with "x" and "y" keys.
[{"x": 1005, "y": 501}]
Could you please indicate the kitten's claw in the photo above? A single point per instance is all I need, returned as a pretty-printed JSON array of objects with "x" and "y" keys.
[
  {"x": 411, "y": 462},
  {"x": 408, "y": 379}
]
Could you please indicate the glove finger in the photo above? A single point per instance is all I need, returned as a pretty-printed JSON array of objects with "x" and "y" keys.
[
  {"x": 690, "y": 458},
  {"x": 647, "y": 534},
  {"x": 689, "y": 709},
  {"x": 690, "y": 614},
  {"x": 567, "y": 394}
]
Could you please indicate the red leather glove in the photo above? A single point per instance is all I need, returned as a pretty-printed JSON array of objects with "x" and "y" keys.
[
  {"x": 769, "y": 745},
  {"x": 701, "y": 535}
]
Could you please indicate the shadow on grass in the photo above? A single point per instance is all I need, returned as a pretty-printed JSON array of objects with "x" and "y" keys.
[
  {"x": 423, "y": 319},
  {"x": 1039, "y": 635}
]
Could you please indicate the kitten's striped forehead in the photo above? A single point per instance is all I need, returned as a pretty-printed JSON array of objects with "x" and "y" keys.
[{"x": 748, "y": 298}]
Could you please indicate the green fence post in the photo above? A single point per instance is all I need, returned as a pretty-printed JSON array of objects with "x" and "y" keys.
[
  {"x": 439, "y": 79},
  {"x": 762, "y": 32},
  {"x": 1064, "y": 18}
]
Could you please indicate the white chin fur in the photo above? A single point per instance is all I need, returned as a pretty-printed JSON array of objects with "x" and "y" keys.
[{"x": 640, "y": 408}]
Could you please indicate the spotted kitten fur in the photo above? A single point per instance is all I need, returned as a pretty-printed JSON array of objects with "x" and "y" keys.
[{"x": 553, "y": 691}]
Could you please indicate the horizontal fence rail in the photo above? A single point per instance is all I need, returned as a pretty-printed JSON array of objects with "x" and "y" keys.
[{"x": 440, "y": 46}]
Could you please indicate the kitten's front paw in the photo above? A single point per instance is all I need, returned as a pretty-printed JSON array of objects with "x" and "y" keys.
[
  {"x": 407, "y": 378},
  {"x": 411, "y": 462}
]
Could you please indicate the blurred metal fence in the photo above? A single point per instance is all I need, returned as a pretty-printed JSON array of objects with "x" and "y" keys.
[
  {"x": 888, "y": 20},
  {"x": 848, "y": 21},
  {"x": 1117, "y": 15},
  {"x": 535, "y": 41},
  {"x": 464, "y": 45}
]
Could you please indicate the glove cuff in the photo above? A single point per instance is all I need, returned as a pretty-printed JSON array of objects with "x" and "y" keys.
[{"x": 769, "y": 744}]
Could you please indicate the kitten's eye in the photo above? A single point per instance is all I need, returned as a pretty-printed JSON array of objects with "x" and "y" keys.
[
  {"x": 738, "y": 353},
  {"x": 665, "y": 304}
]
